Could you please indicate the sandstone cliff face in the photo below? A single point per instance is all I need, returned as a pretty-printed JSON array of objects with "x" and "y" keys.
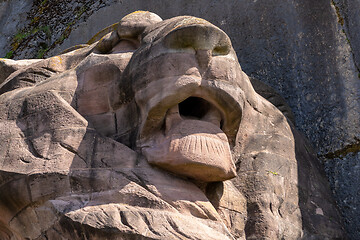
[{"x": 308, "y": 52}]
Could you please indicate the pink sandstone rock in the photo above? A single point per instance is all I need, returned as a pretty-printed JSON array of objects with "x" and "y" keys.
[{"x": 152, "y": 131}]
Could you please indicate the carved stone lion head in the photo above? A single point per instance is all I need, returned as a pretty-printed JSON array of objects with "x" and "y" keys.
[{"x": 150, "y": 131}]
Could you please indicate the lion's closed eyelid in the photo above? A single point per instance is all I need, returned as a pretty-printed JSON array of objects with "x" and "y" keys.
[{"x": 125, "y": 46}]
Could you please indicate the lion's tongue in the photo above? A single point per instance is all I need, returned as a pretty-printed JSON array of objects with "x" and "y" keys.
[
  {"x": 189, "y": 127},
  {"x": 174, "y": 122}
]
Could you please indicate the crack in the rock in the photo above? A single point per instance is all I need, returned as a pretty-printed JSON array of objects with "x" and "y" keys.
[{"x": 351, "y": 148}]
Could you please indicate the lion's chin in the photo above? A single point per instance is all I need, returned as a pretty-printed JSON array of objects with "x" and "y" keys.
[{"x": 194, "y": 149}]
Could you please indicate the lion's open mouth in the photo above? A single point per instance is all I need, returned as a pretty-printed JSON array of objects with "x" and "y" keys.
[
  {"x": 191, "y": 142},
  {"x": 193, "y": 108}
]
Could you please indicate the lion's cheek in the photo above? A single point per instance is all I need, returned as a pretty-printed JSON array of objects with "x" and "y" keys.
[{"x": 203, "y": 155}]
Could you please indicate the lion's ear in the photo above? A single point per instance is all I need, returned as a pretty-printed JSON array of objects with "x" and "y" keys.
[
  {"x": 273, "y": 96},
  {"x": 124, "y": 35}
]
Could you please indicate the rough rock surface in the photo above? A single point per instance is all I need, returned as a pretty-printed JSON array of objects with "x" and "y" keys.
[
  {"x": 308, "y": 51},
  {"x": 97, "y": 143}
]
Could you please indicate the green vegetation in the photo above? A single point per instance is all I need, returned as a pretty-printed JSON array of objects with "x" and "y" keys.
[
  {"x": 9, "y": 54},
  {"x": 40, "y": 32},
  {"x": 24, "y": 35},
  {"x": 43, "y": 3},
  {"x": 68, "y": 29},
  {"x": 42, "y": 52},
  {"x": 81, "y": 11},
  {"x": 273, "y": 173},
  {"x": 20, "y": 36}
]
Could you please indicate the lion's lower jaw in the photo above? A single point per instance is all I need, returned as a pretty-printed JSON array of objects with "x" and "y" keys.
[{"x": 204, "y": 155}]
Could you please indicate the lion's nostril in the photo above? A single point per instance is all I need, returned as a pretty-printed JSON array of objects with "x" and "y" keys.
[
  {"x": 194, "y": 107},
  {"x": 221, "y": 50}
]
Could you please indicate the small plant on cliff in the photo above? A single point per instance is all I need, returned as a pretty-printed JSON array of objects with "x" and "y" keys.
[
  {"x": 273, "y": 173},
  {"x": 9, "y": 54}
]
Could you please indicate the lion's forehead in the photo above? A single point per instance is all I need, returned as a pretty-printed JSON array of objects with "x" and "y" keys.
[{"x": 190, "y": 21}]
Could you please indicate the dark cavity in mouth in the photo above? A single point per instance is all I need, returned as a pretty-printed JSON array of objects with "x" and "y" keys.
[{"x": 196, "y": 108}]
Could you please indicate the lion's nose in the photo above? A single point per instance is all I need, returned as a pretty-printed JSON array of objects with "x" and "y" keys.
[{"x": 206, "y": 39}]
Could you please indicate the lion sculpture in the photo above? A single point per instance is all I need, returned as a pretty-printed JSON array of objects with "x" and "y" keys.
[{"x": 152, "y": 131}]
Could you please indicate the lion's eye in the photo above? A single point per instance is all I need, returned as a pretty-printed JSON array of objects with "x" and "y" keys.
[{"x": 199, "y": 37}]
